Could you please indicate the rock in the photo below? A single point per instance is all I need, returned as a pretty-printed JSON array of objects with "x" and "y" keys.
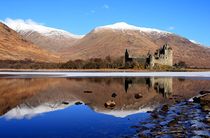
[
  {"x": 196, "y": 99},
  {"x": 207, "y": 120},
  {"x": 149, "y": 112},
  {"x": 206, "y": 108},
  {"x": 110, "y": 104},
  {"x": 138, "y": 96},
  {"x": 87, "y": 91},
  {"x": 165, "y": 108},
  {"x": 205, "y": 99},
  {"x": 173, "y": 122},
  {"x": 154, "y": 115},
  {"x": 205, "y": 102},
  {"x": 185, "y": 119},
  {"x": 78, "y": 103},
  {"x": 204, "y": 92},
  {"x": 114, "y": 95},
  {"x": 196, "y": 137},
  {"x": 66, "y": 103},
  {"x": 205, "y": 133}
]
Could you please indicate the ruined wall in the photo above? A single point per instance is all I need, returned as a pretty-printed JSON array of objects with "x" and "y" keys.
[
  {"x": 163, "y": 56},
  {"x": 164, "y": 59}
]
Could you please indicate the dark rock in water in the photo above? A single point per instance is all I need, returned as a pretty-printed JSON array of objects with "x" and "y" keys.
[
  {"x": 205, "y": 99},
  {"x": 165, "y": 108},
  {"x": 78, "y": 103},
  {"x": 138, "y": 96},
  {"x": 173, "y": 122},
  {"x": 205, "y": 102},
  {"x": 149, "y": 111},
  {"x": 196, "y": 99},
  {"x": 206, "y": 108},
  {"x": 204, "y": 92},
  {"x": 154, "y": 115},
  {"x": 88, "y": 92},
  {"x": 114, "y": 95},
  {"x": 66, "y": 103},
  {"x": 207, "y": 120},
  {"x": 110, "y": 104}
]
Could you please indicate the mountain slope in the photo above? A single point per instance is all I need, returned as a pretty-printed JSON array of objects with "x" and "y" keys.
[
  {"x": 45, "y": 37},
  {"x": 112, "y": 40},
  {"x": 14, "y": 47}
]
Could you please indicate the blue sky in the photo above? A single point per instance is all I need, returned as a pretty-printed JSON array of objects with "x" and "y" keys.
[{"x": 188, "y": 18}]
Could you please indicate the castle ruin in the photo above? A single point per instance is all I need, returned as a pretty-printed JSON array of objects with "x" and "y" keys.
[{"x": 162, "y": 56}]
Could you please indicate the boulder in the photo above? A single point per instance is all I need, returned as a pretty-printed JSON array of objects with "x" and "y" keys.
[
  {"x": 78, "y": 103},
  {"x": 138, "y": 96},
  {"x": 110, "y": 104},
  {"x": 114, "y": 95},
  {"x": 204, "y": 92}
]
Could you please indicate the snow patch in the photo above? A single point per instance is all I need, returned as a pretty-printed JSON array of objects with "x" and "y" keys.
[
  {"x": 195, "y": 42},
  {"x": 29, "y": 25},
  {"x": 125, "y": 26}
]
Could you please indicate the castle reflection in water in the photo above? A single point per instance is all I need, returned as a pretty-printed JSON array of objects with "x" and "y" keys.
[{"x": 161, "y": 85}]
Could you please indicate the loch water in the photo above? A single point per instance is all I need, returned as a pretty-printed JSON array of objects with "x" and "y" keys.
[{"x": 83, "y": 107}]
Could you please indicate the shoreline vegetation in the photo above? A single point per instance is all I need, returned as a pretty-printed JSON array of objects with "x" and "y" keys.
[{"x": 94, "y": 64}]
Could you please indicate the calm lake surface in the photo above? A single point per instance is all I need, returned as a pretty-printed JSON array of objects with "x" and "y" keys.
[{"x": 93, "y": 107}]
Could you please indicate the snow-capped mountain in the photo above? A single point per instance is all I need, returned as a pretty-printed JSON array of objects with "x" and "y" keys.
[
  {"x": 31, "y": 26},
  {"x": 112, "y": 40},
  {"x": 14, "y": 47},
  {"x": 125, "y": 26},
  {"x": 48, "y": 38}
]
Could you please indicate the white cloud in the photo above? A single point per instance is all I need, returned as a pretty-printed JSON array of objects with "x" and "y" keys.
[
  {"x": 171, "y": 28},
  {"x": 21, "y": 21},
  {"x": 106, "y": 6},
  {"x": 92, "y": 11}
]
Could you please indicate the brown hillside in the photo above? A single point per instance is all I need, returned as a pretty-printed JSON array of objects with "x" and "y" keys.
[
  {"x": 14, "y": 47},
  {"x": 50, "y": 43},
  {"x": 109, "y": 42}
]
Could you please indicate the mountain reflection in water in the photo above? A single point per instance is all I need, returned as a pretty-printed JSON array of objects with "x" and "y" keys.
[{"x": 118, "y": 97}]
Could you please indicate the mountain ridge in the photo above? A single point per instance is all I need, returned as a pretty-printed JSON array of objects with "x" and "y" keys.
[
  {"x": 112, "y": 40},
  {"x": 48, "y": 38}
]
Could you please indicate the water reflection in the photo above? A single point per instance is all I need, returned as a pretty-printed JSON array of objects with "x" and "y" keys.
[
  {"x": 96, "y": 107},
  {"x": 161, "y": 85},
  {"x": 119, "y": 97}
]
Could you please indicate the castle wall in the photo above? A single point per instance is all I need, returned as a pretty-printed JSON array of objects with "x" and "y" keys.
[
  {"x": 167, "y": 59},
  {"x": 163, "y": 56}
]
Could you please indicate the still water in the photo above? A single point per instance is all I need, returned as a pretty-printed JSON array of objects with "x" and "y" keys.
[{"x": 86, "y": 107}]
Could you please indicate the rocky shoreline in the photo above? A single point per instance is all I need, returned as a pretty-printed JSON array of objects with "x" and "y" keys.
[{"x": 188, "y": 118}]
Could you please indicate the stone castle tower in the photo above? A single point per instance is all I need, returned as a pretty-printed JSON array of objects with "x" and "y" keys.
[{"x": 162, "y": 56}]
